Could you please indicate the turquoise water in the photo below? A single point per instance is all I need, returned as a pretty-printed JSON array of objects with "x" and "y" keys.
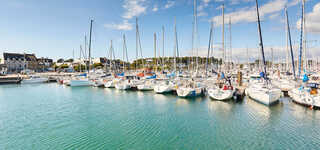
[{"x": 51, "y": 116}]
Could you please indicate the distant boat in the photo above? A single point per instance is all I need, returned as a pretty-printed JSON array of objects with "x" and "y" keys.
[
  {"x": 34, "y": 79},
  {"x": 164, "y": 87},
  {"x": 148, "y": 85},
  {"x": 190, "y": 90},
  {"x": 80, "y": 82},
  {"x": 123, "y": 85}
]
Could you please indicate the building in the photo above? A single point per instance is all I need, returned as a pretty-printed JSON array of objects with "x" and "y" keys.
[
  {"x": 101, "y": 60},
  {"x": 16, "y": 62},
  {"x": 44, "y": 64},
  {"x": 3, "y": 69}
]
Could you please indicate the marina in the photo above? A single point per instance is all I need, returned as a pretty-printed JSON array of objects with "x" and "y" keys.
[{"x": 175, "y": 84}]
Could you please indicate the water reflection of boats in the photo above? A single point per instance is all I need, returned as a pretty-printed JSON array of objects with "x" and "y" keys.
[
  {"x": 182, "y": 102},
  {"x": 140, "y": 94},
  {"x": 160, "y": 97},
  {"x": 261, "y": 110},
  {"x": 221, "y": 107},
  {"x": 301, "y": 112}
]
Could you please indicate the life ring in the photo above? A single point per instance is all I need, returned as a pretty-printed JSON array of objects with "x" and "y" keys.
[{"x": 309, "y": 100}]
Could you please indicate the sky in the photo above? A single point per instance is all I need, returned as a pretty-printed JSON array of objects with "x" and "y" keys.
[{"x": 55, "y": 29}]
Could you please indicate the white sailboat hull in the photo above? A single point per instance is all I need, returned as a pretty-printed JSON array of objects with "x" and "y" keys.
[
  {"x": 34, "y": 80},
  {"x": 304, "y": 97},
  {"x": 122, "y": 86},
  {"x": 98, "y": 83},
  {"x": 162, "y": 89},
  {"x": 220, "y": 94},
  {"x": 80, "y": 82},
  {"x": 189, "y": 92},
  {"x": 264, "y": 95},
  {"x": 109, "y": 84},
  {"x": 144, "y": 87}
]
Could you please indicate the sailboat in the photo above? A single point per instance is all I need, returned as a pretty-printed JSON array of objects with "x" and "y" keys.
[
  {"x": 286, "y": 83},
  {"x": 225, "y": 90},
  {"x": 83, "y": 80},
  {"x": 262, "y": 91},
  {"x": 191, "y": 88},
  {"x": 308, "y": 93},
  {"x": 34, "y": 79},
  {"x": 31, "y": 79},
  {"x": 167, "y": 85},
  {"x": 149, "y": 81}
]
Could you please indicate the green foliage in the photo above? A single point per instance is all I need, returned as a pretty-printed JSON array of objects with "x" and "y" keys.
[
  {"x": 60, "y": 60},
  {"x": 63, "y": 66},
  {"x": 69, "y": 60},
  {"x": 241, "y": 66},
  {"x": 97, "y": 65},
  {"x": 77, "y": 68}
]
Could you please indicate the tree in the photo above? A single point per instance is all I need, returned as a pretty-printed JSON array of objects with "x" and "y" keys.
[
  {"x": 77, "y": 68},
  {"x": 60, "y": 60},
  {"x": 96, "y": 65},
  {"x": 63, "y": 66},
  {"x": 69, "y": 60}
]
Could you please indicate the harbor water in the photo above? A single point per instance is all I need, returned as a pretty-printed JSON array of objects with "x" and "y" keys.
[{"x": 51, "y": 116}]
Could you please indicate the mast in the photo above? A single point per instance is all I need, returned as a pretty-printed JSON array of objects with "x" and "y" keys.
[
  {"x": 80, "y": 59},
  {"x": 163, "y": 62},
  {"x": 230, "y": 42},
  {"x": 155, "y": 52},
  {"x": 261, "y": 41},
  {"x": 125, "y": 53},
  {"x": 301, "y": 39},
  {"x": 291, "y": 50},
  {"x": 248, "y": 59},
  {"x": 91, "y": 21},
  {"x": 272, "y": 59},
  {"x": 85, "y": 52},
  {"x": 110, "y": 55},
  {"x": 209, "y": 47},
  {"x": 223, "y": 50},
  {"x": 137, "y": 44},
  {"x": 196, "y": 35},
  {"x": 175, "y": 46},
  {"x": 287, "y": 43},
  {"x": 304, "y": 38}
]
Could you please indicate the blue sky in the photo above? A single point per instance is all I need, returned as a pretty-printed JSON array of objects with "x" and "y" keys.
[{"x": 55, "y": 28}]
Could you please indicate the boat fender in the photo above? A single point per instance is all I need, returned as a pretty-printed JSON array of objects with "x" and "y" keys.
[{"x": 309, "y": 100}]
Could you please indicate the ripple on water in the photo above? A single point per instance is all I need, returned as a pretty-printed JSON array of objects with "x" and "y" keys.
[{"x": 58, "y": 117}]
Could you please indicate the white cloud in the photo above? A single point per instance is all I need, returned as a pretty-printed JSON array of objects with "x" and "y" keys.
[
  {"x": 201, "y": 8},
  {"x": 169, "y": 4},
  {"x": 134, "y": 8},
  {"x": 293, "y": 2},
  {"x": 125, "y": 25},
  {"x": 249, "y": 14},
  {"x": 155, "y": 8},
  {"x": 312, "y": 20},
  {"x": 273, "y": 16},
  {"x": 234, "y": 2},
  {"x": 206, "y": 2}
]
